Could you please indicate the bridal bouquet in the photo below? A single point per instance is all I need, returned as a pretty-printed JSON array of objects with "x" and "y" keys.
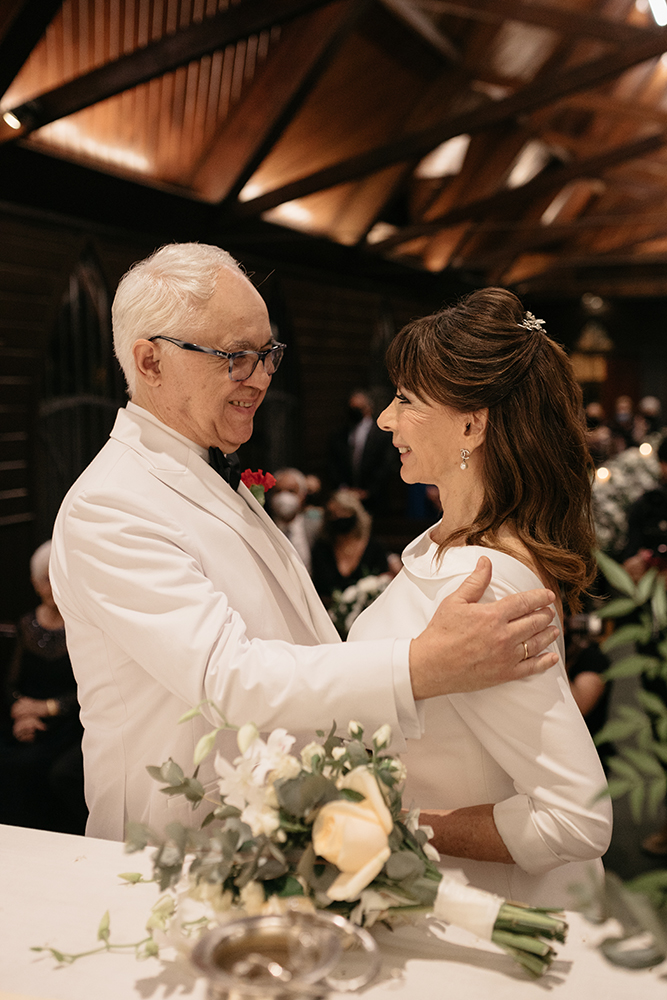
[{"x": 321, "y": 830}]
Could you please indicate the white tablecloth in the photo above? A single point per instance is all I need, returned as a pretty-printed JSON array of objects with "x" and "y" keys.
[{"x": 55, "y": 888}]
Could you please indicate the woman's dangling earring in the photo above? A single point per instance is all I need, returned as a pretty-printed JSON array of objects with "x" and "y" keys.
[{"x": 465, "y": 455}]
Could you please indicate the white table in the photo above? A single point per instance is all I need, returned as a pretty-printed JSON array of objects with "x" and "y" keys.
[{"x": 54, "y": 889}]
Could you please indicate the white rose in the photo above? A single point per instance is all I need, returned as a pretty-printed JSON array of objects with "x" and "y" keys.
[
  {"x": 354, "y": 836},
  {"x": 355, "y": 729}
]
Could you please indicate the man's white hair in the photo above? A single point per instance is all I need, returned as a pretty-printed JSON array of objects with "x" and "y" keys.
[
  {"x": 39, "y": 562},
  {"x": 165, "y": 294}
]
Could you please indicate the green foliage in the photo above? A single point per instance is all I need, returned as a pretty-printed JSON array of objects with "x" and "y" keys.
[{"x": 639, "y": 768}]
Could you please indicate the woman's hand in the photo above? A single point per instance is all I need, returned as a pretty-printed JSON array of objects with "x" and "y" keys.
[
  {"x": 25, "y": 728},
  {"x": 27, "y": 707}
]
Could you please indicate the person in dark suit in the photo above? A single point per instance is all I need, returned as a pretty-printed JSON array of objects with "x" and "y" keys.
[{"x": 362, "y": 458}]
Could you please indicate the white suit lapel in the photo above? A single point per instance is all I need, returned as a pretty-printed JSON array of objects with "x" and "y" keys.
[{"x": 180, "y": 468}]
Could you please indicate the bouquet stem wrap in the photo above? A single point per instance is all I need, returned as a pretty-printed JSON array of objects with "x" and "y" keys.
[{"x": 469, "y": 908}]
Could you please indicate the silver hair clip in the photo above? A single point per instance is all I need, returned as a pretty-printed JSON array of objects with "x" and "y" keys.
[{"x": 530, "y": 322}]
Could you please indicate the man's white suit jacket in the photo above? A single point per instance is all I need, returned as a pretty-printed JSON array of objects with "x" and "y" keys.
[{"x": 166, "y": 579}]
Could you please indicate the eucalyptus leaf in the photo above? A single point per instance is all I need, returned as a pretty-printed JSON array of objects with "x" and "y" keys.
[
  {"x": 655, "y": 794},
  {"x": 351, "y": 795},
  {"x": 631, "y": 666},
  {"x": 132, "y": 877},
  {"x": 617, "y": 608},
  {"x": 659, "y": 605},
  {"x": 626, "y": 634},
  {"x": 636, "y": 797},
  {"x": 619, "y": 578},
  {"x": 104, "y": 928},
  {"x": 357, "y": 754},
  {"x": 646, "y": 585},
  {"x": 616, "y": 787},
  {"x": 402, "y": 865},
  {"x": 652, "y": 703},
  {"x": 623, "y": 769},
  {"x": 644, "y": 762},
  {"x": 300, "y": 796}
]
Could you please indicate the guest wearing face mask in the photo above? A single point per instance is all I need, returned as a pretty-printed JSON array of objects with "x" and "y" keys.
[
  {"x": 300, "y": 522},
  {"x": 346, "y": 551}
]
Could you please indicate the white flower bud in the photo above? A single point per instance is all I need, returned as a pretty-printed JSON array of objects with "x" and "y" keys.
[
  {"x": 246, "y": 736},
  {"x": 382, "y": 737},
  {"x": 355, "y": 730}
]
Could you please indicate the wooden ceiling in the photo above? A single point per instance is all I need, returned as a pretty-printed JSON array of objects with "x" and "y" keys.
[{"x": 520, "y": 142}]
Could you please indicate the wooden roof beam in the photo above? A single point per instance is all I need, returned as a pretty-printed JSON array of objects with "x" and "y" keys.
[
  {"x": 414, "y": 146},
  {"x": 21, "y": 29},
  {"x": 274, "y": 97},
  {"x": 155, "y": 59},
  {"x": 568, "y": 21},
  {"x": 547, "y": 181}
]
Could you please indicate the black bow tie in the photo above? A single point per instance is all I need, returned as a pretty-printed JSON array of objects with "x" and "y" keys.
[{"x": 227, "y": 466}]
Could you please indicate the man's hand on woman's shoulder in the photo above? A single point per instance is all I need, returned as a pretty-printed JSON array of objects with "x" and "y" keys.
[{"x": 468, "y": 646}]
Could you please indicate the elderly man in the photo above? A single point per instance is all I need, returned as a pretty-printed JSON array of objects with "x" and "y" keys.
[{"x": 177, "y": 587}]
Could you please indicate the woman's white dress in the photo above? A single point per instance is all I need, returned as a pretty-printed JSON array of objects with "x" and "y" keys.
[{"x": 523, "y": 745}]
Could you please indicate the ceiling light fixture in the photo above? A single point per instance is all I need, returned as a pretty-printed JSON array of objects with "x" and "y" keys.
[
  {"x": 659, "y": 11},
  {"x": 10, "y": 119}
]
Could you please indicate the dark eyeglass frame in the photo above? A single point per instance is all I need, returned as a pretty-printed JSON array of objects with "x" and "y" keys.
[{"x": 277, "y": 350}]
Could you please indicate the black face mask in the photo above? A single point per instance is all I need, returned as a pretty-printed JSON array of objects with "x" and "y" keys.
[
  {"x": 342, "y": 525},
  {"x": 354, "y": 416}
]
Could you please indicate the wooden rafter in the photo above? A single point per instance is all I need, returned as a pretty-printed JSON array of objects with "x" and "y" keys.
[
  {"x": 569, "y": 21},
  {"x": 513, "y": 198},
  {"x": 272, "y": 100},
  {"x": 155, "y": 59},
  {"x": 27, "y": 22},
  {"x": 413, "y": 147}
]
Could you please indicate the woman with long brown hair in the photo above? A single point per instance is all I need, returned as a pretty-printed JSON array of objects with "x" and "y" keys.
[{"x": 488, "y": 410}]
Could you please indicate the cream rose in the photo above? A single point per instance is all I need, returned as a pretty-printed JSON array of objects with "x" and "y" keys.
[{"x": 354, "y": 836}]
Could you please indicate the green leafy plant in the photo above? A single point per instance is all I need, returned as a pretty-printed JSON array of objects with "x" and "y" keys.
[{"x": 638, "y": 769}]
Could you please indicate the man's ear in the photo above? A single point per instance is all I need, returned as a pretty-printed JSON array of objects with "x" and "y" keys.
[
  {"x": 147, "y": 362},
  {"x": 475, "y": 427}
]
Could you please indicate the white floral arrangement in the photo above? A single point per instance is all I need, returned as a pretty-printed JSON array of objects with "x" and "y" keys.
[
  {"x": 630, "y": 474},
  {"x": 321, "y": 830},
  {"x": 347, "y": 605}
]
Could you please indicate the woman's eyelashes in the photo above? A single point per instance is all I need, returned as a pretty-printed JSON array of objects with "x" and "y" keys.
[{"x": 401, "y": 398}]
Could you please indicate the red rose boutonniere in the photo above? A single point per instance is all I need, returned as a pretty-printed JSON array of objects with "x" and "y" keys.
[{"x": 258, "y": 483}]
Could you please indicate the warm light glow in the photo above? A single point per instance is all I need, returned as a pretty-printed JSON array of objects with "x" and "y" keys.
[
  {"x": 69, "y": 134},
  {"x": 11, "y": 120},
  {"x": 659, "y": 11},
  {"x": 603, "y": 474},
  {"x": 251, "y": 190},
  {"x": 446, "y": 159},
  {"x": 380, "y": 231},
  {"x": 645, "y": 449},
  {"x": 292, "y": 214},
  {"x": 531, "y": 160}
]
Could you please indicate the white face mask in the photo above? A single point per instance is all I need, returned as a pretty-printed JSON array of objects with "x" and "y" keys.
[{"x": 285, "y": 505}]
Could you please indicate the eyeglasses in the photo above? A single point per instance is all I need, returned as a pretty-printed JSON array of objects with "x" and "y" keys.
[{"x": 241, "y": 363}]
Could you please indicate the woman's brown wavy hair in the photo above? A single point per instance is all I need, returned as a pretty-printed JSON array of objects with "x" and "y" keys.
[{"x": 537, "y": 468}]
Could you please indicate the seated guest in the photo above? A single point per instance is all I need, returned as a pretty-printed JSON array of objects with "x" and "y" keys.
[
  {"x": 488, "y": 409},
  {"x": 287, "y": 506},
  {"x": 40, "y": 746}
]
